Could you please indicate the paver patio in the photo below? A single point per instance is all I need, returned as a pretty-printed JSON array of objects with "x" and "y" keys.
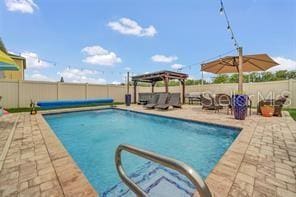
[{"x": 260, "y": 162}]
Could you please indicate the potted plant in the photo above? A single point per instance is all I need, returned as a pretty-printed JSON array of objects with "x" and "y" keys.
[
  {"x": 240, "y": 105},
  {"x": 267, "y": 110}
]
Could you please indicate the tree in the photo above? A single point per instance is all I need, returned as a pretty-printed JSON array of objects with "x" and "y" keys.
[
  {"x": 292, "y": 75},
  {"x": 254, "y": 77},
  {"x": 233, "y": 78},
  {"x": 281, "y": 75},
  {"x": 222, "y": 78},
  {"x": 267, "y": 76}
]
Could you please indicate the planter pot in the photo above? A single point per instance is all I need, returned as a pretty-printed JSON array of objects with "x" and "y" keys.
[
  {"x": 267, "y": 111},
  {"x": 128, "y": 99},
  {"x": 240, "y": 106}
]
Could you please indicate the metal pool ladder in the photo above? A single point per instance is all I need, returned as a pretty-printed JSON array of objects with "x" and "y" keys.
[{"x": 179, "y": 166}]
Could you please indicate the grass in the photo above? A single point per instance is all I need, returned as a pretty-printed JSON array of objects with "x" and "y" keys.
[
  {"x": 22, "y": 109},
  {"x": 27, "y": 109},
  {"x": 292, "y": 113}
]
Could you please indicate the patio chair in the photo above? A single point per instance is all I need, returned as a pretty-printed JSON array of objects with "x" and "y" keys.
[
  {"x": 209, "y": 103},
  {"x": 152, "y": 102},
  {"x": 277, "y": 104},
  {"x": 249, "y": 106},
  {"x": 193, "y": 96},
  {"x": 224, "y": 100},
  {"x": 174, "y": 101}
]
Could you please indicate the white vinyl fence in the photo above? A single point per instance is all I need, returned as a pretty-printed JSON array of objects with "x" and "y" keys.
[{"x": 20, "y": 93}]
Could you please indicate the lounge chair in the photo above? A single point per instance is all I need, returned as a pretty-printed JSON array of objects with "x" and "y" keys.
[
  {"x": 209, "y": 103},
  {"x": 162, "y": 99},
  {"x": 144, "y": 98},
  {"x": 152, "y": 102},
  {"x": 174, "y": 101}
]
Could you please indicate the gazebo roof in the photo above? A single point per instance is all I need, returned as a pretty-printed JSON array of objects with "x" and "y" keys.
[{"x": 159, "y": 76}]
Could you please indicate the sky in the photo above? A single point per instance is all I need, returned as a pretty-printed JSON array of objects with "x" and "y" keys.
[{"x": 98, "y": 41}]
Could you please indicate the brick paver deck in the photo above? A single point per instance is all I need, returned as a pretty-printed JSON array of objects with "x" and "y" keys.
[
  {"x": 36, "y": 163},
  {"x": 260, "y": 162}
]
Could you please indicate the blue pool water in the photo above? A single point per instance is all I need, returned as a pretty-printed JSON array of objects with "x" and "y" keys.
[{"x": 91, "y": 138}]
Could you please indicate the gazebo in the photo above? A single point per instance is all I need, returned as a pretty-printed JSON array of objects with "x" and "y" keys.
[{"x": 164, "y": 76}]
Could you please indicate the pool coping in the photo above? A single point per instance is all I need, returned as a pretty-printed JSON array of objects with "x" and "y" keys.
[
  {"x": 72, "y": 179},
  {"x": 230, "y": 160}
]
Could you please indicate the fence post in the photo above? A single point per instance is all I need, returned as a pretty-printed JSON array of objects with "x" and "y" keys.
[
  {"x": 86, "y": 91},
  {"x": 19, "y": 93}
]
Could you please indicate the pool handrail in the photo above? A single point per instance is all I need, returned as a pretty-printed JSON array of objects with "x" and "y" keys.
[{"x": 179, "y": 166}]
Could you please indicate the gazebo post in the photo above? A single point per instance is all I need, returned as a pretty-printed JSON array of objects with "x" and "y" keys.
[
  {"x": 152, "y": 86},
  {"x": 135, "y": 92},
  {"x": 166, "y": 84},
  {"x": 183, "y": 90}
]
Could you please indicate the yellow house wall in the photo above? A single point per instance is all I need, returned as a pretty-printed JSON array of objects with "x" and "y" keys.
[{"x": 15, "y": 75}]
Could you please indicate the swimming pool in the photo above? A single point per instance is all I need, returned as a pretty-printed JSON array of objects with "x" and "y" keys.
[{"x": 91, "y": 138}]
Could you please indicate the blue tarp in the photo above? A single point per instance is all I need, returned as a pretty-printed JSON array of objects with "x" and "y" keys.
[{"x": 72, "y": 103}]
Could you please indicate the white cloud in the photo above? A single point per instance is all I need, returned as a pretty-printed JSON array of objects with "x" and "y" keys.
[
  {"x": 34, "y": 62},
  {"x": 177, "y": 66},
  {"x": 81, "y": 76},
  {"x": 99, "y": 56},
  {"x": 24, "y": 6},
  {"x": 163, "y": 58},
  {"x": 38, "y": 77},
  {"x": 116, "y": 83},
  {"x": 130, "y": 27},
  {"x": 285, "y": 64}
]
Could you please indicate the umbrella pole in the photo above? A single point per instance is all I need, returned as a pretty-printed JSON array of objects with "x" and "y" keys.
[
  {"x": 127, "y": 83},
  {"x": 240, "y": 70},
  {"x": 202, "y": 78}
]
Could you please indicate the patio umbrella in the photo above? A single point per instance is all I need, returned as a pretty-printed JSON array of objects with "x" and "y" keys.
[
  {"x": 231, "y": 64},
  {"x": 6, "y": 63}
]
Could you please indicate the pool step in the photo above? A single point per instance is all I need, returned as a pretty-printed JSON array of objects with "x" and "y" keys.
[{"x": 156, "y": 180}]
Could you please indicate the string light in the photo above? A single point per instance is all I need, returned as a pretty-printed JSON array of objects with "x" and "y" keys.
[
  {"x": 232, "y": 36},
  {"x": 54, "y": 63},
  {"x": 189, "y": 66},
  {"x": 223, "y": 12}
]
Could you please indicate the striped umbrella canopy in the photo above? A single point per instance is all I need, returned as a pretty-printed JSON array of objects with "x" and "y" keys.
[
  {"x": 6, "y": 63},
  {"x": 229, "y": 64}
]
